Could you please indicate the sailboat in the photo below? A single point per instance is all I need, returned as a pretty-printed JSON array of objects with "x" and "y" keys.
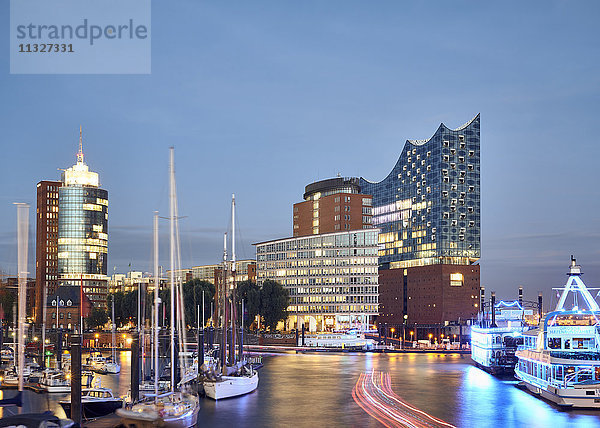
[
  {"x": 237, "y": 376},
  {"x": 112, "y": 366},
  {"x": 176, "y": 408}
]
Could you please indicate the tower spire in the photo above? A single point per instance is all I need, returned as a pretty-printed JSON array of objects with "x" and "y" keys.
[{"x": 80, "y": 152}]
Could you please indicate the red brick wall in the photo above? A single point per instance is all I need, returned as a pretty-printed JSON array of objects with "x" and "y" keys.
[{"x": 430, "y": 297}]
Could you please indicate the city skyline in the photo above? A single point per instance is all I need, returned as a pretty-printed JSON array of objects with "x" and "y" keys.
[{"x": 276, "y": 98}]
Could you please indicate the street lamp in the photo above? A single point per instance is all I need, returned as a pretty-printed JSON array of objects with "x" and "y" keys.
[
  {"x": 404, "y": 329},
  {"x": 411, "y": 335},
  {"x": 430, "y": 336}
]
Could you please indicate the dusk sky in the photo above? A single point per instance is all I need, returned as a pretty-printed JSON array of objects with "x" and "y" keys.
[{"x": 262, "y": 98}]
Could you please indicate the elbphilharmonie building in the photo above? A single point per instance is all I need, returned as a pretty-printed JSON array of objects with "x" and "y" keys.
[{"x": 428, "y": 207}]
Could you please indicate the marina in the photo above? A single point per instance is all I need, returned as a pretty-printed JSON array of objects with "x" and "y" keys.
[{"x": 446, "y": 386}]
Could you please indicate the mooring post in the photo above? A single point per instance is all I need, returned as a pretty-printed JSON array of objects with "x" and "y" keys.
[
  {"x": 135, "y": 367},
  {"x": 76, "y": 378}
]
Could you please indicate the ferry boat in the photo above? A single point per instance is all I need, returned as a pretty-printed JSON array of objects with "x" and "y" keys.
[
  {"x": 351, "y": 339},
  {"x": 494, "y": 343},
  {"x": 560, "y": 361}
]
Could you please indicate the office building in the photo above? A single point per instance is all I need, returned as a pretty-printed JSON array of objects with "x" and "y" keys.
[
  {"x": 332, "y": 205},
  {"x": 245, "y": 271},
  {"x": 331, "y": 278},
  {"x": 428, "y": 211},
  {"x": 46, "y": 245},
  {"x": 83, "y": 231}
]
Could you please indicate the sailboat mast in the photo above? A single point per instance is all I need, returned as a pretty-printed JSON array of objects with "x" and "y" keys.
[
  {"x": 112, "y": 318},
  {"x": 233, "y": 305},
  {"x": 156, "y": 286},
  {"x": 22, "y": 234},
  {"x": 172, "y": 257},
  {"x": 224, "y": 308}
]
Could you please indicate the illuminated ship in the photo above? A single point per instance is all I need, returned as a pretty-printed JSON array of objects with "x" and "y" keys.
[
  {"x": 560, "y": 361},
  {"x": 494, "y": 342}
]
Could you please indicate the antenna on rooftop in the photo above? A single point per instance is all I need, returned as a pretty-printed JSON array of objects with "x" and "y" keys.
[{"x": 80, "y": 152}]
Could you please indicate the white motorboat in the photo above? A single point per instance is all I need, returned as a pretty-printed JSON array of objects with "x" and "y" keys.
[
  {"x": 95, "y": 402},
  {"x": 10, "y": 379},
  {"x": 560, "y": 361},
  {"x": 96, "y": 361},
  {"x": 53, "y": 380}
]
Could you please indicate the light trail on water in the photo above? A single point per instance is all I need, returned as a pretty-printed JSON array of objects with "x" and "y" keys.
[{"x": 373, "y": 393}]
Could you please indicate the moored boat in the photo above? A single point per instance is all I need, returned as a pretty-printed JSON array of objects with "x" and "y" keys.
[
  {"x": 560, "y": 361},
  {"x": 176, "y": 408},
  {"x": 95, "y": 402},
  {"x": 55, "y": 381}
]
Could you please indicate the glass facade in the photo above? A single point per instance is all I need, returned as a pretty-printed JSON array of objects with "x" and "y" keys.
[
  {"x": 332, "y": 278},
  {"x": 83, "y": 239},
  {"x": 428, "y": 207}
]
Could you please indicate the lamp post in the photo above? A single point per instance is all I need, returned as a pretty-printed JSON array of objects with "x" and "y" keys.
[
  {"x": 404, "y": 329},
  {"x": 411, "y": 335}
]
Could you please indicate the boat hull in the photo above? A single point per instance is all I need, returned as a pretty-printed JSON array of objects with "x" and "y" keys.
[
  {"x": 56, "y": 389},
  {"x": 151, "y": 418},
  {"x": 230, "y": 386},
  {"x": 94, "y": 409},
  {"x": 587, "y": 397}
]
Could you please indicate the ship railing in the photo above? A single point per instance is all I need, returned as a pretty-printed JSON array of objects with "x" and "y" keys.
[
  {"x": 571, "y": 378},
  {"x": 576, "y": 355}
]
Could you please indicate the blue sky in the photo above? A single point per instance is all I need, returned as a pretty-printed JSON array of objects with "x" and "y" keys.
[{"x": 261, "y": 98}]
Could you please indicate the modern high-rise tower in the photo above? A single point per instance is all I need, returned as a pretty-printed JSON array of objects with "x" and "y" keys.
[{"x": 83, "y": 231}]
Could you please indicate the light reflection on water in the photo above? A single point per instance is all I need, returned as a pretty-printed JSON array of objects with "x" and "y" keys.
[{"x": 310, "y": 390}]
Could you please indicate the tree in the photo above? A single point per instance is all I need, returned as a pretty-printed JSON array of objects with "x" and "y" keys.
[
  {"x": 98, "y": 317},
  {"x": 249, "y": 292},
  {"x": 274, "y": 300},
  {"x": 7, "y": 300},
  {"x": 192, "y": 298},
  {"x": 125, "y": 306}
]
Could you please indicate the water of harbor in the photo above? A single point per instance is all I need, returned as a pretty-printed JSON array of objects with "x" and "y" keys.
[{"x": 311, "y": 390}]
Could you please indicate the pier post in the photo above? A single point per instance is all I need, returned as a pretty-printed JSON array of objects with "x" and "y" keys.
[
  {"x": 177, "y": 379},
  {"x": 76, "y": 378},
  {"x": 241, "y": 343},
  {"x": 230, "y": 345},
  {"x": 493, "y": 308},
  {"x": 135, "y": 367}
]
